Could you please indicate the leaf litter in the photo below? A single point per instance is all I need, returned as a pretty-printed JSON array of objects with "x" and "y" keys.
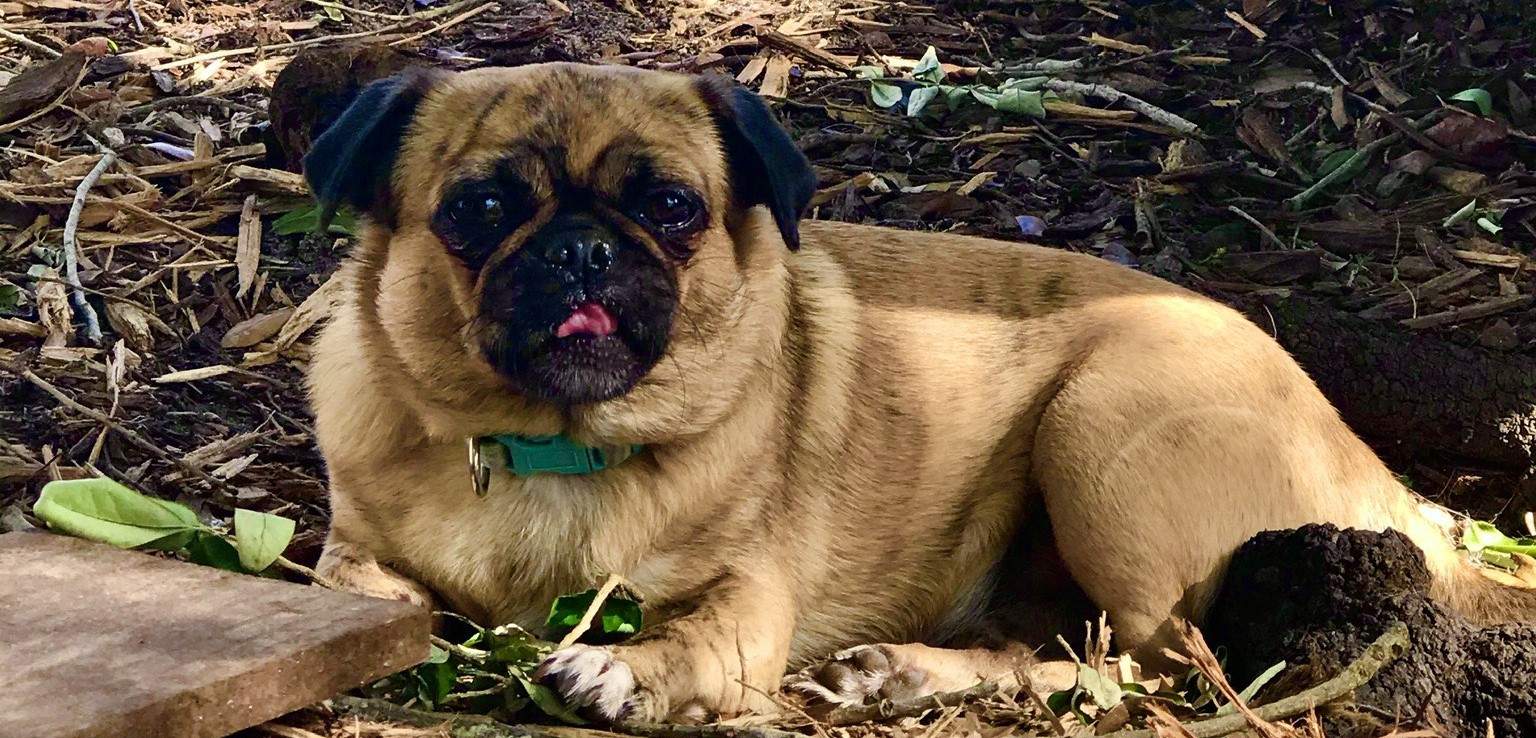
[{"x": 1373, "y": 158}]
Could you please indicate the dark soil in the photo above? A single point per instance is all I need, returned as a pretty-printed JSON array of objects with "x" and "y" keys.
[{"x": 1317, "y": 596}]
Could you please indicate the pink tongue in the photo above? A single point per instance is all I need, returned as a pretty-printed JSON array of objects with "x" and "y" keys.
[{"x": 591, "y": 319}]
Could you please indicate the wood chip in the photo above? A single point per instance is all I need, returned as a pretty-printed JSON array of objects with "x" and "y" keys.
[
  {"x": 277, "y": 179},
  {"x": 1248, "y": 26},
  {"x": 1062, "y": 107},
  {"x": 248, "y": 246},
  {"x": 19, "y": 327},
  {"x": 776, "y": 77},
  {"x": 194, "y": 375}
]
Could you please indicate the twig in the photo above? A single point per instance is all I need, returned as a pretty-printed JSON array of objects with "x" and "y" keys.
[
  {"x": 307, "y": 573},
  {"x": 894, "y": 709},
  {"x": 1389, "y": 646},
  {"x": 127, "y": 434},
  {"x": 1341, "y": 171},
  {"x": 72, "y": 246},
  {"x": 1269, "y": 235},
  {"x": 1134, "y": 103},
  {"x": 1029, "y": 689},
  {"x": 463, "y": 652},
  {"x": 21, "y": 40},
  {"x": 614, "y": 580}
]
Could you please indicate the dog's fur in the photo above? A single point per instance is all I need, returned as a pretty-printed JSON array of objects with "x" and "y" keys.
[{"x": 885, "y": 437}]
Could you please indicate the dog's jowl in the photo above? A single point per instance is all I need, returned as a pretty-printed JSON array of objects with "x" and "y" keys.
[{"x": 884, "y": 463}]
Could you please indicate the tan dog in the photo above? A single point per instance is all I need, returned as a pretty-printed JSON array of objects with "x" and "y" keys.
[{"x": 950, "y": 446}]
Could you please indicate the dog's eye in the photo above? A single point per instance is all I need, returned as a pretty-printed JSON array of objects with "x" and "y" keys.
[
  {"x": 672, "y": 209},
  {"x": 478, "y": 210}
]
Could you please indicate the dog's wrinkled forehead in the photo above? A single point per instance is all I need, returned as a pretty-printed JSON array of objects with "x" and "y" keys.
[{"x": 561, "y": 126}]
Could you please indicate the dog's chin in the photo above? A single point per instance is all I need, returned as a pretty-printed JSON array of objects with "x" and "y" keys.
[{"x": 575, "y": 370}]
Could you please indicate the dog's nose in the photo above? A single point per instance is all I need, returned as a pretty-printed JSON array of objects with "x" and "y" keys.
[{"x": 581, "y": 253}]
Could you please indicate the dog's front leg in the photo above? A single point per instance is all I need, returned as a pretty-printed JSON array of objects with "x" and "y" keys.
[{"x": 723, "y": 657}]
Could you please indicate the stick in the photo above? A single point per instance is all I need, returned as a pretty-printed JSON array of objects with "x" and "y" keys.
[
  {"x": 591, "y": 614},
  {"x": 72, "y": 247},
  {"x": 1389, "y": 646},
  {"x": 1134, "y": 103},
  {"x": 1269, "y": 235},
  {"x": 889, "y": 709}
]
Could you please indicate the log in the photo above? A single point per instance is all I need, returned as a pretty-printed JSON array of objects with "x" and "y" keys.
[{"x": 1409, "y": 393}]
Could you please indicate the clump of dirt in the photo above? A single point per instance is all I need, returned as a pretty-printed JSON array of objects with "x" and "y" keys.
[{"x": 1315, "y": 597}]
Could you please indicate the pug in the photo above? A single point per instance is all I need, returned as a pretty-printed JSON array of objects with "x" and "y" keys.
[{"x": 586, "y": 332}]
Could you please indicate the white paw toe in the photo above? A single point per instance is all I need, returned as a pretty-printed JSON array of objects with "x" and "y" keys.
[{"x": 590, "y": 680}]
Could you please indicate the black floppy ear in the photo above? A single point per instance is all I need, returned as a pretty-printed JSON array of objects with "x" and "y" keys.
[
  {"x": 351, "y": 163},
  {"x": 766, "y": 167}
]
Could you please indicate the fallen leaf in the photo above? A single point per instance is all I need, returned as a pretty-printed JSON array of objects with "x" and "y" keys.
[
  {"x": 1483, "y": 140},
  {"x": 256, "y": 329}
]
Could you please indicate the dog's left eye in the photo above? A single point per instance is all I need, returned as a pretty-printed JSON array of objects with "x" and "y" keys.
[
  {"x": 478, "y": 210},
  {"x": 672, "y": 209}
]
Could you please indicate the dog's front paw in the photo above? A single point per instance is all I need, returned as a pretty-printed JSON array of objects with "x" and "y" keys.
[
  {"x": 856, "y": 675},
  {"x": 592, "y": 681}
]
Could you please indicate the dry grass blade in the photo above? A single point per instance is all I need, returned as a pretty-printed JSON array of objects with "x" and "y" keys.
[
  {"x": 609, "y": 585},
  {"x": 1197, "y": 653}
]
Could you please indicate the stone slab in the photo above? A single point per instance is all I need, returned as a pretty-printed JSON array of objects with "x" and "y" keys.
[{"x": 97, "y": 642}]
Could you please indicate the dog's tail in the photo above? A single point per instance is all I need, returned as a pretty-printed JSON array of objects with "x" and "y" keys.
[
  {"x": 1457, "y": 582},
  {"x": 1480, "y": 599}
]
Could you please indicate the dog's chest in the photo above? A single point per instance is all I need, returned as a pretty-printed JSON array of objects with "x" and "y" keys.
[{"x": 504, "y": 557}]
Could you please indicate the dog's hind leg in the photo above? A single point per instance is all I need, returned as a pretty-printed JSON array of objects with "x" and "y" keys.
[{"x": 1178, "y": 437}]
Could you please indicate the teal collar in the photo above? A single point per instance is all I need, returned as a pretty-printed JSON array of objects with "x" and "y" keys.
[{"x": 529, "y": 455}]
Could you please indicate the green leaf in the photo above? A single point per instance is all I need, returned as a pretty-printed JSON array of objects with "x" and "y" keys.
[
  {"x": 547, "y": 700},
  {"x": 435, "y": 682},
  {"x": 103, "y": 510},
  {"x": 919, "y": 99},
  {"x": 1253, "y": 688},
  {"x": 333, "y": 13},
  {"x": 884, "y": 95},
  {"x": 1478, "y": 97},
  {"x": 260, "y": 538},
  {"x": 1027, "y": 102},
  {"x": 1023, "y": 83},
  {"x": 954, "y": 95},
  {"x": 210, "y": 549},
  {"x": 1334, "y": 161},
  {"x": 1488, "y": 225},
  {"x": 927, "y": 68},
  {"x": 1461, "y": 216},
  {"x": 868, "y": 72},
  {"x": 1104, "y": 692},
  {"x": 10, "y": 297},
  {"x": 1479, "y": 535},
  {"x": 618, "y": 616},
  {"x": 307, "y": 220}
]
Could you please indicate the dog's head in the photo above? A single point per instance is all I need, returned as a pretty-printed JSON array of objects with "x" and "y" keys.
[{"x": 556, "y": 238}]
